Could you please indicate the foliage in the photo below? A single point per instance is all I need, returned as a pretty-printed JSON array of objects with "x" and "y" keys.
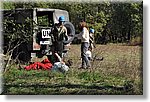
[
  {"x": 112, "y": 21},
  {"x": 136, "y": 41},
  {"x": 126, "y": 22},
  {"x": 16, "y": 33}
]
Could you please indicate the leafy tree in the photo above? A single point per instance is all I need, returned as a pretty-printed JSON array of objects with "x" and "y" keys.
[{"x": 113, "y": 21}]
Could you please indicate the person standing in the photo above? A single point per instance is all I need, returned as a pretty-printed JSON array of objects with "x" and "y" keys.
[
  {"x": 60, "y": 35},
  {"x": 84, "y": 36},
  {"x": 91, "y": 41}
]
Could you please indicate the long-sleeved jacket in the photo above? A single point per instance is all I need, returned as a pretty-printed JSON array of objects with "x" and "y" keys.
[{"x": 84, "y": 35}]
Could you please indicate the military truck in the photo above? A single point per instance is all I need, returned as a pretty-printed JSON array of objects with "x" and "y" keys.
[{"x": 41, "y": 22}]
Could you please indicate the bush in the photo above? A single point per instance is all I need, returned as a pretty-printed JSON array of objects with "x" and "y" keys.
[{"x": 136, "y": 41}]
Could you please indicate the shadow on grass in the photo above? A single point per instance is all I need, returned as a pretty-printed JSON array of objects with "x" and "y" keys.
[{"x": 80, "y": 89}]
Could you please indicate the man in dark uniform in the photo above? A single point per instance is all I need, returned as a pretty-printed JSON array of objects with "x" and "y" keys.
[{"x": 60, "y": 35}]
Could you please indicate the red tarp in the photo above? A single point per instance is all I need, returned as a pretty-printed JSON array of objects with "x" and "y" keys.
[{"x": 45, "y": 64}]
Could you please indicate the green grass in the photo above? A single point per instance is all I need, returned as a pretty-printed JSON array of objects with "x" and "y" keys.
[{"x": 119, "y": 73}]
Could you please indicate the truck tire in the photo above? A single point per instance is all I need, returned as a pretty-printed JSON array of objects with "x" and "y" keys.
[{"x": 70, "y": 31}]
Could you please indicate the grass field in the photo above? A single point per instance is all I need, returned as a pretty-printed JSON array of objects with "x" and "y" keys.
[{"x": 119, "y": 73}]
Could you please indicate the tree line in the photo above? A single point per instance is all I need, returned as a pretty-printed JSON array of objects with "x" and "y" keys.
[{"x": 114, "y": 22}]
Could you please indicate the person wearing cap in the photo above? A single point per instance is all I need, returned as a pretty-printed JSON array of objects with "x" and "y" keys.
[
  {"x": 60, "y": 34},
  {"x": 91, "y": 40},
  {"x": 84, "y": 36}
]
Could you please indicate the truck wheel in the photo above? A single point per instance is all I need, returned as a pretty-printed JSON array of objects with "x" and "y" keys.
[{"x": 70, "y": 31}]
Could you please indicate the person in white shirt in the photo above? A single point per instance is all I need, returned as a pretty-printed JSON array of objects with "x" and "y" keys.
[{"x": 84, "y": 36}]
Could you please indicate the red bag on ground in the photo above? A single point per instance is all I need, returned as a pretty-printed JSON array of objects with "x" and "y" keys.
[{"x": 45, "y": 64}]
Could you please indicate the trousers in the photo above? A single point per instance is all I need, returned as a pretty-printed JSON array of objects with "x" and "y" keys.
[{"x": 85, "y": 60}]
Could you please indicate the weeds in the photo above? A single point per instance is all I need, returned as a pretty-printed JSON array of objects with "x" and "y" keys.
[{"x": 119, "y": 73}]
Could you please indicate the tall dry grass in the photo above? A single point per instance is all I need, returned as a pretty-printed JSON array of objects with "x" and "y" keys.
[{"x": 120, "y": 72}]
